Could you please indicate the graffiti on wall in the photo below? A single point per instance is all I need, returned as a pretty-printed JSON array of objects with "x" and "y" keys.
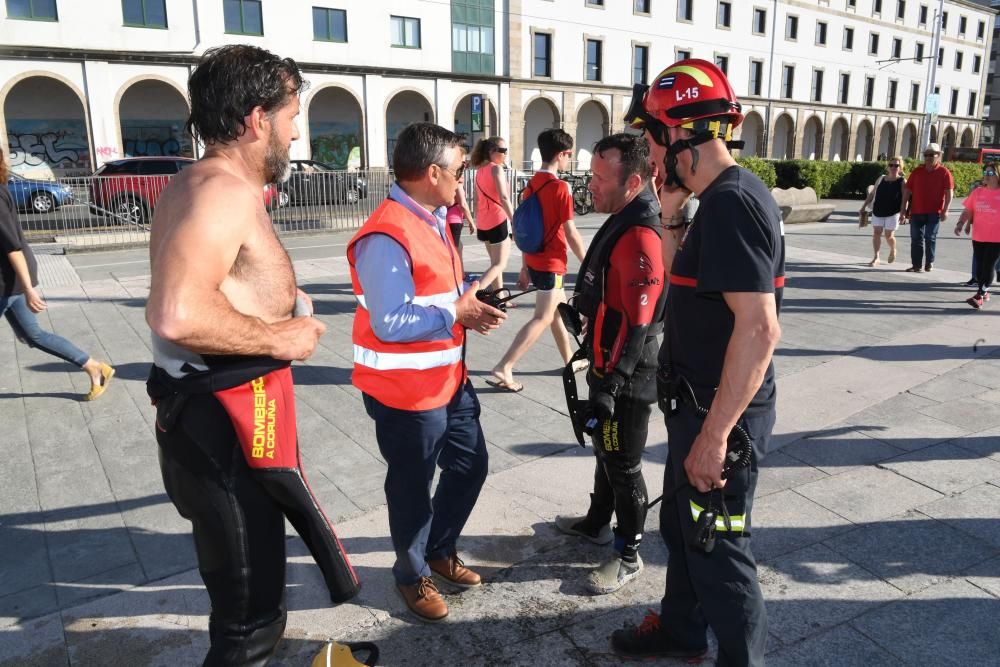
[
  {"x": 155, "y": 137},
  {"x": 336, "y": 144},
  {"x": 47, "y": 148}
]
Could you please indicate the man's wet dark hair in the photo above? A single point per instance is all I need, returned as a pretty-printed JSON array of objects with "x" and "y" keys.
[
  {"x": 552, "y": 142},
  {"x": 229, "y": 82},
  {"x": 419, "y": 146},
  {"x": 634, "y": 154}
]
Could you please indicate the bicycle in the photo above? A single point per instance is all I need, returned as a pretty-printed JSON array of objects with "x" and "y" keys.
[{"x": 583, "y": 200}]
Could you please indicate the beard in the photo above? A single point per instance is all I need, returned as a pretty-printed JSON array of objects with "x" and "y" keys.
[{"x": 276, "y": 161}]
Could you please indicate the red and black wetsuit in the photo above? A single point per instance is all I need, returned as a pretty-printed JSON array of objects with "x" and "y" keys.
[{"x": 621, "y": 291}]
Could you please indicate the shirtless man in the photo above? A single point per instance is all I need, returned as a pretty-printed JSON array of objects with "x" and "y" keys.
[{"x": 220, "y": 308}]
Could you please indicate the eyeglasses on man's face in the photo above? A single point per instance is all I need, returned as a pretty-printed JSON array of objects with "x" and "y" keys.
[
  {"x": 459, "y": 172},
  {"x": 989, "y": 173},
  {"x": 927, "y": 155}
]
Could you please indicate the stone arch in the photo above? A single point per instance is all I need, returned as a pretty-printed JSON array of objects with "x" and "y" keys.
[
  {"x": 933, "y": 134},
  {"x": 751, "y": 132},
  {"x": 540, "y": 113},
  {"x": 948, "y": 137},
  {"x": 908, "y": 144},
  {"x": 592, "y": 123},
  {"x": 840, "y": 140},
  {"x": 152, "y": 112},
  {"x": 46, "y": 123},
  {"x": 864, "y": 141},
  {"x": 783, "y": 145},
  {"x": 887, "y": 140},
  {"x": 812, "y": 139},
  {"x": 462, "y": 115},
  {"x": 404, "y": 107},
  {"x": 336, "y": 126},
  {"x": 968, "y": 137}
]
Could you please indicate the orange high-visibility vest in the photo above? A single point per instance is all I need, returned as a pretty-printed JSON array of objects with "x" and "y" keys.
[{"x": 419, "y": 375}]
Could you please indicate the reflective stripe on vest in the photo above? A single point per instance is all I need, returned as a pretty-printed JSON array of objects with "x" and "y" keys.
[
  {"x": 735, "y": 520},
  {"x": 393, "y": 361},
  {"x": 442, "y": 299}
]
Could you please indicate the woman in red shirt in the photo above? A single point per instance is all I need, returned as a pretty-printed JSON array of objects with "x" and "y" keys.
[{"x": 493, "y": 208}]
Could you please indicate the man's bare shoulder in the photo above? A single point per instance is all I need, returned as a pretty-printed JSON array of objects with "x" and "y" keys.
[{"x": 209, "y": 181}]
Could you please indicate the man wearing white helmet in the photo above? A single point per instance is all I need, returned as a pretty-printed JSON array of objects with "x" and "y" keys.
[{"x": 716, "y": 381}]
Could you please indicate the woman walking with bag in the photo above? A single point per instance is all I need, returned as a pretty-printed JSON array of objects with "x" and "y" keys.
[
  {"x": 493, "y": 208},
  {"x": 886, "y": 200}
]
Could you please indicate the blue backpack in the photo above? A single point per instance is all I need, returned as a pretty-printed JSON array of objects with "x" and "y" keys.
[{"x": 529, "y": 223}]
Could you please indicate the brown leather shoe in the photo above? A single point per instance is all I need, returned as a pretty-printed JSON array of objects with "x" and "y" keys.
[
  {"x": 454, "y": 570},
  {"x": 424, "y": 600}
]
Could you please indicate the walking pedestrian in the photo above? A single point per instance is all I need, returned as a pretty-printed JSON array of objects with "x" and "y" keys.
[
  {"x": 726, "y": 275},
  {"x": 20, "y": 301},
  {"x": 982, "y": 217},
  {"x": 926, "y": 198},
  {"x": 494, "y": 210},
  {"x": 621, "y": 293},
  {"x": 409, "y": 363},
  {"x": 886, "y": 200}
]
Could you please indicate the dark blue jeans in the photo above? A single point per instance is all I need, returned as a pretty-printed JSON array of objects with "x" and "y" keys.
[
  {"x": 26, "y": 326},
  {"x": 412, "y": 443},
  {"x": 923, "y": 238}
]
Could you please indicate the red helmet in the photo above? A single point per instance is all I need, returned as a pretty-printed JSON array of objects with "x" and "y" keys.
[{"x": 693, "y": 94}]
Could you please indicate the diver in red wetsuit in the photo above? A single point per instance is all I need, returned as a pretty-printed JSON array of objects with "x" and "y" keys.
[{"x": 620, "y": 291}]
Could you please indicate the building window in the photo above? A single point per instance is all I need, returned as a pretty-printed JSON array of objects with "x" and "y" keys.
[
  {"x": 869, "y": 91},
  {"x": 725, "y": 14},
  {"x": 722, "y": 62},
  {"x": 787, "y": 81},
  {"x": 918, "y": 52},
  {"x": 144, "y": 13},
  {"x": 329, "y": 25},
  {"x": 243, "y": 17},
  {"x": 958, "y": 60},
  {"x": 873, "y": 44},
  {"x": 954, "y": 102},
  {"x": 821, "y": 33},
  {"x": 981, "y": 31},
  {"x": 759, "y": 21},
  {"x": 640, "y": 64},
  {"x": 816, "y": 92},
  {"x": 642, "y": 6},
  {"x": 682, "y": 55},
  {"x": 914, "y": 96},
  {"x": 685, "y": 10},
  {"x": 972, "y": 104},
  {"x": 897, "y": 47},
  {"x": 890, "y": 99},
  {"x": 977, "y": 63},
  {"x": 472, "y": 37},
  {"x": 944, "y": 20},
  {"x": 844, "y": 89},
  {"x": 922, "y": 15},
  {"x": 848, "y": 39},
  {"x": 962, "y": 25},
  {"x": 595, "y": 3},
  {"x": 940, "y": 57},
  {"x": 405, "y": 32},
  {"x": 900, "y": 9},
  {"x": 543, "y": 55},
  {"x": 851, "y": 4},
  {"x": 593, "y": 60},
  {"x": 877, "y": 7},
  {"x": 38, "y": 10},
  {"x": 791, "y": 28},
  {"x": 756, "y": 76}
]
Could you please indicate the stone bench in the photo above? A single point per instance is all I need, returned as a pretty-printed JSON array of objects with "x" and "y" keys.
[{"x": 800, "y": 205}]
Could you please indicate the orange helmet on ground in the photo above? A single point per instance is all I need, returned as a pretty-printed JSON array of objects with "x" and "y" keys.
[{"x": 693, "y": 94}]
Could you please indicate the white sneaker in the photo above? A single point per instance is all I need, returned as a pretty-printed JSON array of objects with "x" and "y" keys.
[{"x": 613, "y": 574}]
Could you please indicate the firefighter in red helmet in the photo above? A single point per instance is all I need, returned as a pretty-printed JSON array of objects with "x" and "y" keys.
[{"x": 716, "y": 385}]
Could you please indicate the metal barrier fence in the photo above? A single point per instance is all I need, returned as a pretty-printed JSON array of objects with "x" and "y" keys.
[{"x": 115, "y": 211}]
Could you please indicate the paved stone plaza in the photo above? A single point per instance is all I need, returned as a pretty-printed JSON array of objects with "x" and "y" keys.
[{"x": 876, "y": 523}]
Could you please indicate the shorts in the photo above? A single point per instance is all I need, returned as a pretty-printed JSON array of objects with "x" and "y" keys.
[
  {"x": 497, "y": 234},
  {"x": 545, "y": 281},
  {"x": 890, "y": 222}
]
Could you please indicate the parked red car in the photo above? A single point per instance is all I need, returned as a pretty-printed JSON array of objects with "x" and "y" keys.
[{"x": 127, "y": 189}]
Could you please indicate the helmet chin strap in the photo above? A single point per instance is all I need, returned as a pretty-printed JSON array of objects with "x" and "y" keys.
[{"x": 673, "y": 150}]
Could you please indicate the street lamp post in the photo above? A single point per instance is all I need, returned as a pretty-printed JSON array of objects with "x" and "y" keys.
[{"x": 925, "y": 134}]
